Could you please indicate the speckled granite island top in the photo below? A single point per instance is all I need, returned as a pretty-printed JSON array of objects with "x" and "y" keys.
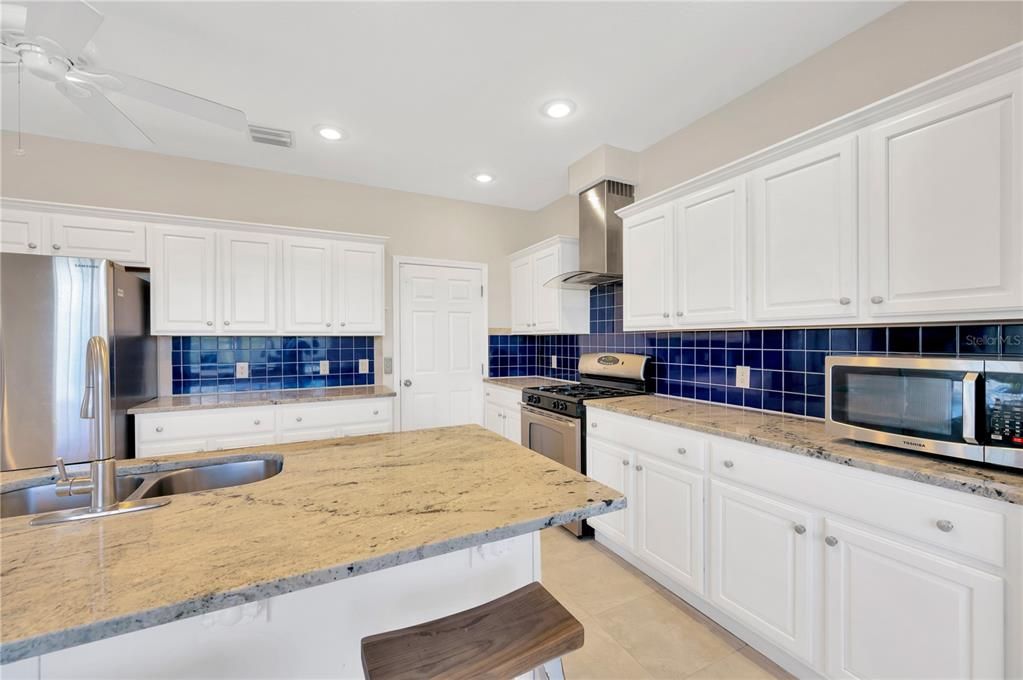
[
  {"x": 807, "y": 438},
  {"x": 195, "y": 402},
  {"x": 339, "y": 508}
]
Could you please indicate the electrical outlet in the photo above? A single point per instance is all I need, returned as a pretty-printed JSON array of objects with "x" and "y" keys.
[
  {"x": 742, "y": 376},
  {"x": 554, "y": 361},
  {"x": 241, "y": 369},
  {"x": 363, "y": 365},
  {"x": 324, "y": 368}
]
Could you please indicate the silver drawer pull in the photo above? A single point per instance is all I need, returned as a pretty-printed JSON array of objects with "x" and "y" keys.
[
  {"x": 639, "y": 468},
  {"x": 256, "y": 422},
  {"x": 593, "y": 424},
  {"x": 679, "y": 314},
  {"x": 227, "y": 323},
  {"x": 944, "y": 525},
  {"x": 209, "y": 323},
  {"x": 376, "y": 413},
  {"x": 298, "y": 419},
  {"x": 340, "y": 323},
  {"x": 799, "y": 529},
  {"x": 877, "y": 299},
  {"x": 56, "y": 246},
  {"x": 159, "y": 428},
  {"x": 666, "y": 315},
  {"x": 328, "y": 324},
  {"x": 682, "y": 450},
  {"x": 625, "y": 462},
  {"x": 729, "y": 464},
  {"x": 831, "y": 541},
  {"x": 844, "y": 301},
  {"x": 32, "y": 246}
]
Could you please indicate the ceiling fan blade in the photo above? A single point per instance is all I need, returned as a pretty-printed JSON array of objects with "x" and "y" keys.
[
  {"x": 104, "y": 111},
  {"x": 103, "y": 80},
  {"x": 182, "y": 102},
  {"x": 68, "y": 24}
]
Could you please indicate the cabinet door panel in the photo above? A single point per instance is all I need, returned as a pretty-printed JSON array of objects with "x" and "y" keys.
[
  {"x": 493, "y": 417},
  {"x": 898, "y": 612},
  {"x": 669, "y": 520},
  {"x": 248, "y": 264},
  {"x": 522, "y": 294},
  {"x": 513, "y": 424},
  {"x": 546, "y": 301},
  {"x": 308, "y": 297},
  {"x": 22, "y": 232},
  {"x": 710, "y": 255},
  {"x": 183, "y": 275},
  {"x": 760, "y": 567},
  {"x": 945, "y": 231},
  {"x": 647, "y": 270},
  {"x": 118, "y": 240},
  {"x": 361, "y": 289},
  {"x": 611, "y": 466},
  {"x": 804, "y": 235}
]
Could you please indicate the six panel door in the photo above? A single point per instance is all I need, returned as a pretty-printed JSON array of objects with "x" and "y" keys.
[
  {"x": 248, "y": 264},
  {"x": 647, "y": 270},
  {"x": 308, "y": 293},
  {"x": 361, "y": 288},
  {"x": 183, "y": 272},
  {"x": 893, "y": 611},
  {"x": 804, "y": 235},
  {"x": 944, "y": 225}
]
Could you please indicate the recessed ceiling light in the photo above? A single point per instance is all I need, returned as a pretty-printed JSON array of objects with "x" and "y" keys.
[
  {"x": 331, "y": 134},
  {"x": 483, "y": 177},
  {"x": 558, "y": 108}
]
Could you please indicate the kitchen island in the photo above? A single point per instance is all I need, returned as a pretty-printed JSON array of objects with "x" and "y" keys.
[{"x": 430, "y": 522}]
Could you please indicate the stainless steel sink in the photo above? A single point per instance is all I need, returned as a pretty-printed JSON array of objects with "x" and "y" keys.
[
  {"x": 209, "y": 477},
  {"x": 37, "y": 499}
]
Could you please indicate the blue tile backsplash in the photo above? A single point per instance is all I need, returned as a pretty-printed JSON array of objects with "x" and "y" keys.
[
  {"x": 207, "y": 364},
  {"x": 786, "y": 365}
]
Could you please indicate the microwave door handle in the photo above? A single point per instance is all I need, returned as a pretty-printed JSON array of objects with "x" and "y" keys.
[{"x": 970, "y": 407}]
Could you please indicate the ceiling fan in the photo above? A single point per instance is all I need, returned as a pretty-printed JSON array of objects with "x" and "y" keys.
[{"x": 50, "y": 40}]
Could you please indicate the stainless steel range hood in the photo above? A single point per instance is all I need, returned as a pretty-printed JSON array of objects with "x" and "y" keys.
[{"x": 600, "y": 237}]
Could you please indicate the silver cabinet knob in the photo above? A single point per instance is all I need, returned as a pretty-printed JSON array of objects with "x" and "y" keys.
[
  {"x": 593, "y": 424},
  {"x": 159, "y": 428},
  {"x": 799, "y": 529},
  {"x": 56, "y": 246},
  {"x": 328, "y": 324},
  {"x": 340, "y": 323},
  {"x": 488, "y": 394},
  {"x": 32, "y": 246},
  {"x": 625, "y": 463},
  {"x": 639, "y": 468},
  {"x": 729, "y": 464},
  {"x": 376, "y": 413},
  {"x": 406, "y": 382},
  {"x": 877, "y": 299},
  {"x": 255, "y": 422},
  {"x": 831, "y": 541},
  {"x": 298, "y": 419},
  {"x": 682, "y": 450},
  {"x": 666, "y": 315},
  {"x": 679, "y": 314},
  {"x": 944, "y": 525},
  {"x": 844, "y": 301},
  {"x": 227, "y": 323},
  {"x": 209, "y": 323}
]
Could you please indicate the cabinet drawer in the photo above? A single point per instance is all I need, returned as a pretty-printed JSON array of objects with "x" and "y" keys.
[
  {"x": 895, "y": 507},
  {"x": 219, "y": 422},
  {"x": 680, "y": 446},
  {"x": 505, "y": 397},
  {"x": 358, "y": 411},
  {"x": 293, "y": 417}
]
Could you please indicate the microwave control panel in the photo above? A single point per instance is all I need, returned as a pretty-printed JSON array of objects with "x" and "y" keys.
[{"x": 1004, "y": 406}]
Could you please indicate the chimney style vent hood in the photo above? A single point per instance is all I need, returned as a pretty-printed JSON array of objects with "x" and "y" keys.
[{"x": 600, "y": 237}]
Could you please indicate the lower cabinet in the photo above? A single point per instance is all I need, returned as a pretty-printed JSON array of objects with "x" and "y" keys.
[
  {"x": 158, "y": 434},
  {"x": 611, "y": 466},
  {"x": 502, "y": 413}
]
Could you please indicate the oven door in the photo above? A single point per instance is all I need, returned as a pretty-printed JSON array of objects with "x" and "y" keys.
[
  {"x": 557, "y": 437},
  {"x": 926, "y": 405}
]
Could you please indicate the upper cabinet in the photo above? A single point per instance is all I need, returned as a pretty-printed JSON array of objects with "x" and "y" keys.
[
  {"x": 537, "y": 308},
  {"x": 122, "y": 241},
  {"x": 648, "y": 269},
  {"x": 308, "y": 294},
  {"x": 21, "y": 231},
  {"x": 248, "y": 270},
  {"x": 360, "y": 291},
  {"x": 803, "y": 235},
  {"x": 944, "y": 215},
  {"x": 183, "y": 284}
]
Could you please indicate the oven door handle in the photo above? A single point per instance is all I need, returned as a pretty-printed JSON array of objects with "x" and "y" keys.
[
  {"x": 553, "y": 416},
  {"x": 970, "y": 407}
]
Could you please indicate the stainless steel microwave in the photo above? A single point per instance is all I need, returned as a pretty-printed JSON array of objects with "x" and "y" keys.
[{"x": 971, "y": 409}]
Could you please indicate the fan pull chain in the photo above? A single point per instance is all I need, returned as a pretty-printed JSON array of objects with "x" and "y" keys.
[{"x": 20, "y": 151}]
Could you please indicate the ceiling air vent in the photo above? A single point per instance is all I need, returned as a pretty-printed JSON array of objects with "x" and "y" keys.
[{"x": 273, "y": 136}]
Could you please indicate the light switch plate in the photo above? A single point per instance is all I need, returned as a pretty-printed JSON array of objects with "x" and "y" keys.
[
  {"x": 241, "y": 369},
  {"x": 324, "y": 367},
  {"x": 363, "y": 365},
  {"x": 554, "y": 361},
  {"x": 388, "y": 365},
  {"x": 742, "y": 376}
]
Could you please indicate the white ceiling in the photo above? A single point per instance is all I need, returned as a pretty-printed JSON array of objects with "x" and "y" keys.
[{"x": 431, "y": 93}]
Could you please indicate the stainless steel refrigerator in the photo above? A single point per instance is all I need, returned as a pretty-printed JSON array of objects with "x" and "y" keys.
[{"x": 49, "y": 308}]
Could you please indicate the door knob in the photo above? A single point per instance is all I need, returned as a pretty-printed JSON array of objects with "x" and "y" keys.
[
  {"x": 406, "y": 382},
  {"x": 877, "y": 299},
  {"x": 831, "y": 541}
]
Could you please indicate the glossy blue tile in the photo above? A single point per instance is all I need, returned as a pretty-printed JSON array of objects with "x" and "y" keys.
[
  {"x": 753, "y": 339},
  {"x": 773, "y": 360},
  {"x": 843, "y": 339},
  {"x": 904, "y": 340},
  {"x": 871, "y": 340},
  {"x": 980, "y": 339},
  {"x": 795, "y": 339},
  {"x": 795, "y": 360},
  {"x": 939, "y": 339},
  {"x": 818, "y": 339},
  {"x": 795, "y": 404},
  {"x": 773, "y": 339},
  {"x": 815, "y": 406},
  {"x": 1012, "y": 339}
]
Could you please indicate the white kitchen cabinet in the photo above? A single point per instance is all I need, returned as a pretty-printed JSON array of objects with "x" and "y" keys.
[
  {"x": 248, "y": 271},
  {"x": 22, "y": 231},
  {"x": 183, "y": 279},
  {"x": 945, "y": 223},
  {"x": 330, "y": 419},
  {"x": 307, "y": 290},
  {"x": 122, "y": 241},
  {"x": 360, "y": 288},
  {"x": 893, "y": 611},
  {"x": 668, "y": 501},
  {"x": 761, "y": 565},
  {"x": 804, "y": 235},
  {"x": 648, "y": 269},
  {"x": 611, "y": 465},
  {"x": 709, "y": 244},
  {"x": 537, "y": 308},
  {"x": 502, "y": 412}
]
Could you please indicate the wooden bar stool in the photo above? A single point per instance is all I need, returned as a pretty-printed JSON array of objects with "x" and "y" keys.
[{"x": 524, "y": 630}]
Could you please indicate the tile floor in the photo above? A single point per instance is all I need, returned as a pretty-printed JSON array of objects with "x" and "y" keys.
[{"x": 634, "y": 627}]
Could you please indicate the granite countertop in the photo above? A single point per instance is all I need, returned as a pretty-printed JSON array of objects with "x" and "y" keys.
[
  {"x": 339, "y": 508},
  {"x": 522, "y": 383},
  {"x": 195, "y": 402},
  {"x": 807, "y": 437}
]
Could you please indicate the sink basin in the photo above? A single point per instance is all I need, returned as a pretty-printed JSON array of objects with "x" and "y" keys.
[
  {"x": 36, "y": 499},
  {"x": 212, "y": 477}
]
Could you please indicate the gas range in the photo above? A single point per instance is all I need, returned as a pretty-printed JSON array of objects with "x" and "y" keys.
[
  {"x": 602, "y": 376},
  {"x": 568, "y": 399}
]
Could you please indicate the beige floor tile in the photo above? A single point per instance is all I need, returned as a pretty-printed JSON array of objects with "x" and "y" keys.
[
  {"x": 557, "y": 545},
  {"x": 601, "y": 657},
  {"x": 596, "y": 582},
  {"x": 744, "y": 664}
]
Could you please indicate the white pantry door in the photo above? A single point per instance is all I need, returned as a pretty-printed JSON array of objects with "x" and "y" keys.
[{"x": 443, "y": 338}]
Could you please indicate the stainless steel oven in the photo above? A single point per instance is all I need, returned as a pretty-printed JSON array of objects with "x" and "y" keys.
[
  {"x": 560, "y": 438},
  {"x": 969, "y": 409}
]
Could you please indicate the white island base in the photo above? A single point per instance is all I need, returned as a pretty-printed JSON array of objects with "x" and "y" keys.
[{"x": 310, "y": 633}]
